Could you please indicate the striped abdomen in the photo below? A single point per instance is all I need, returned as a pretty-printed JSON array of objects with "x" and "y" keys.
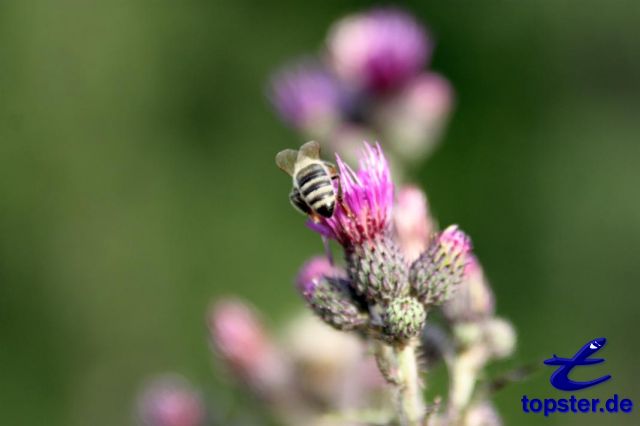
[{"x": 316, "y": 188}]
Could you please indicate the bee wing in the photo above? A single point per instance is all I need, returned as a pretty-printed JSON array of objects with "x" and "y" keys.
[
  {"x": 286, "y": 160},
  {"x": 309, "y": 150}
]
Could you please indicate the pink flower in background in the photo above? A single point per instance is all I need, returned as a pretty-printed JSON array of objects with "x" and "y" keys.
[
  {"x": 367, "y": 200},
  {"x": 378, "y": 50},
  {"x": 237, "y": 334},
  {"x": 313, "y": 271},
  {"x": 239, "y": 338},
  {"x": 412, "y": 223},
  {"x": 368, "y": 82},
  {"x": 171, "y": 401},
  {"x": 474, "y": 300},
  {"x": 413, "y": 119}
]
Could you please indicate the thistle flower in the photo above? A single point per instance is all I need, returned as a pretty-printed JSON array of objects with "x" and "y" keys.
[
  {"x": 329, "y": 295},
  {"x": 171, "y": 401},
  {"x": 367, "y": 200},
  {"x": 361, "y": 224},
  {"x": 378, "y": 50},
  {"x": 239, "y": 338},
  {"x": 440, "y": 269},
  {"x": 474, "y": 300},
  {"x": 412, "y": 223},
  {"x": 307, "y": 96}
]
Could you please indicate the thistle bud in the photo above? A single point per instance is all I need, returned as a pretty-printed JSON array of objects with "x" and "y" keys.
[
  {"x": 473, "y": 301},
  {"x": 403, "y": 319},
  {"x": 378, "y": 271},
  {"x": 171, "y": 401},
  {"x": 496, "y": 335},
  {"x": 413, "y": 120},
  {"x": 412, "y": 222},
  {"x": 239, "y": 338},
  {"x": 329, "y": 296},
  {"x": 440, "y": 269},
  {"x": 499, "y": 337}
]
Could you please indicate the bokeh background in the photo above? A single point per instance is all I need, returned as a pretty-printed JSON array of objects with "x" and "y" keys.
[{"x": 137, "y": 184}]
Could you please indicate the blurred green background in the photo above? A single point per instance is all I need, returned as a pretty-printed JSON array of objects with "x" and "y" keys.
[{"x": 137, "y": 184}]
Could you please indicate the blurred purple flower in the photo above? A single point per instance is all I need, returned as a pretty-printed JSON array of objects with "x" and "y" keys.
[
  {"x": 239, "y": 338},
  {"x": 238, "y": 335},
  {"x": 307, "y": 96},
  {"x": 171, "y": 401},
  {"x": 367, "y": 200},
  {"x": 378, "y": 50}
]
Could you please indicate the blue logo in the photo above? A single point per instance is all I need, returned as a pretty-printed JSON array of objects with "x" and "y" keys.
[
  {"x": 560, "y": 378},
  {"x": 573, "y": 404}
]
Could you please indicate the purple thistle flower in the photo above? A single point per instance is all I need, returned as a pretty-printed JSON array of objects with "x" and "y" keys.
[
  {"x": 361, "y": 223},
  {"x": 367, "y": 200},
  {"x": 171, "y": 401},
  {"x": 307, "y": 96},
  {"x": 378, "y": 50}
]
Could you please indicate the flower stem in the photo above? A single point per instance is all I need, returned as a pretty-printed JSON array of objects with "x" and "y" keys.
[
  {"x": 463, "y": 377},
  {"x": 411, "y": 407}
]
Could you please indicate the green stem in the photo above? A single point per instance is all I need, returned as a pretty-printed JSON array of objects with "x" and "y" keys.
[
  {"x": 463, "y": 377},
  {"x": 410, "y": 403}
]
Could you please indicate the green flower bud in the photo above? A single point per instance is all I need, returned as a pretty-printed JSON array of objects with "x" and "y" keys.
[
  {"x": 440, "y": 269},
  {"x": 331, "y": 299},
  {"x": 403, "y": 319},
  {"x": 377, "y": 270}
]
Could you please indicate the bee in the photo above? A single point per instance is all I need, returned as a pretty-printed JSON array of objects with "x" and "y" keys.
[{"x": 313, "y": 193}]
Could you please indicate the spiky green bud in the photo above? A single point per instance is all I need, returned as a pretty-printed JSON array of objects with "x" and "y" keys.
[
  {"x": 330, "y": 298},
  {"x": 377, "y": 270},
  {"x": 403, "y": 319},
  {"x": 440, "y": 269}
]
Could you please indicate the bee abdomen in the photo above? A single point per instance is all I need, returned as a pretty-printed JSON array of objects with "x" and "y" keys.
[
  {"x": 298, "y": 202},
  {"x": 310, "y": 173},
  {"x": 316, "y": 188}
]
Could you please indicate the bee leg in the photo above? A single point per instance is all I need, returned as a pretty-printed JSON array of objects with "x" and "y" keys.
[
  {"x": 315, "y": 217},
  {"x": 327, "y": 249},
  {"x": 333, "y": 170},
  {"x": 340, "y": 200},
  {"x": 345, "y": 207}
]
